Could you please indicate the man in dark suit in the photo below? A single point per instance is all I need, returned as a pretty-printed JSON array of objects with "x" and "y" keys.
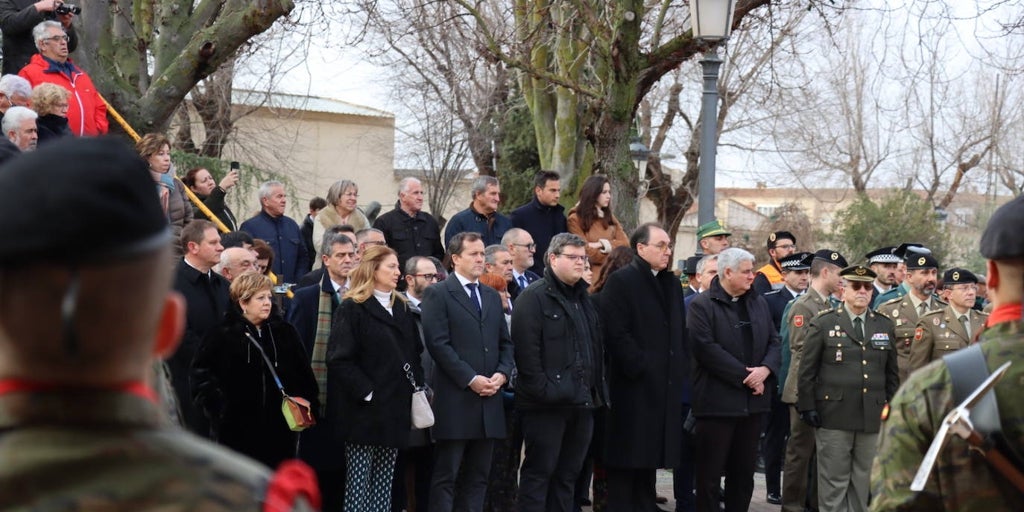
[
  {"x": 468, "y": 338},
  {"x": 645, "y": 337},
  {"x": 206, "y": 296},
  {"x": 521, "y": 244}
]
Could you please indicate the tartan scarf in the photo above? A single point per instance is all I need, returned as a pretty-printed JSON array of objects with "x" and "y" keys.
[{"x": 323, "y": 332}]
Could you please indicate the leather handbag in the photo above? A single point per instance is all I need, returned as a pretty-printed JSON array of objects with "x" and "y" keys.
[
  {"x": 422, "y": 413},
  {"x": 296, "y": 410}
]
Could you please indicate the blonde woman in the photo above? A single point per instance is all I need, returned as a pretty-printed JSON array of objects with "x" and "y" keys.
[
  {"x": 369, "y": 393},
  {"x": 342, "y": 208},
  {"x": 155, "y": 149},
  {"x": 50, "y": 101}
]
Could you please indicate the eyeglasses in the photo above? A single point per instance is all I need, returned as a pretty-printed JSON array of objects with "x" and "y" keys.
[
  {"x": 429, "y": 277},
  {"x": 965, "y": 287},
  {"x": 787, "y": 246},
  {"x": 532, "y": 247},
  {"x": 55, "y": 39},
  {"x": 661, "y": 246},
  {"x": 579, "y": 258},
  {"x": 858, "y": 285}
]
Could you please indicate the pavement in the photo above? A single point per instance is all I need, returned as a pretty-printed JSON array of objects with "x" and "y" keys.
[{"x": 757, "y": 502}]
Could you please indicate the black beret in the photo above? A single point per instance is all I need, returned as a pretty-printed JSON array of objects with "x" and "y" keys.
[
  {"x": 690, "y": 265},
  {"x": 920, "y": 257},
  {"x": 797, "y": 261},
  {"x": 882, "y": 255},
  {"x": 957, "y": 276},
  {"x": 773, "y": 238},
  {"x": 832, "y": 257},
  {"x": 1002, "y": 238},
  {"x": 901, "y": 251},
  {"x": 858, "y": 273},
  {"x": 79, "y": 201}
]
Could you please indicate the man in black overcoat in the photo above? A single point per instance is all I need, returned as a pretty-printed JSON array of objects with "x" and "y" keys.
[{"x": 644, "y": 337}]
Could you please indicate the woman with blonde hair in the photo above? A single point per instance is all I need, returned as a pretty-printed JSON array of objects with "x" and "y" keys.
[
  {"x": 373, "y": 367},
  {"x": 592, "y": 220},
  {"x": 155, "y": 149},
  {"x": 50, "y": 101},
  {"x": 342, "y": 208}
]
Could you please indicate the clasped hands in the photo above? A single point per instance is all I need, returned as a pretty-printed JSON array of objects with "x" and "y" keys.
[
  {"x": 756, "y": 377},
  {"x": 486, "y": 387}
]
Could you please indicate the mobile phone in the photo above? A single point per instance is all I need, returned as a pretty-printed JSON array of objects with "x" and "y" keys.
[{"x": 235, "y": 166}]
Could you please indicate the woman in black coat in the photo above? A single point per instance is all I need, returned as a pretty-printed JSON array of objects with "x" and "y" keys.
[
  {"x": 232, "y": 385},
  {"x": 369, "y": 394},
  {"x": 212, "y": 194}
]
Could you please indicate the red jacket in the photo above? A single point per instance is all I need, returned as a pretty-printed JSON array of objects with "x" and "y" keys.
[{"x": 87, "y": 114}]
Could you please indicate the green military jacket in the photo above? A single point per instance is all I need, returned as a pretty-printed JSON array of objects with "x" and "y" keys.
[
  {"x": 961, "y": 480},
  {"x": 114, "y": 451},
  {"x": 801, "y": 311},
  {"x": 901, "y": 311},
  {"x": 848, "y": 381},
  {"x": 939, "y": 333}
]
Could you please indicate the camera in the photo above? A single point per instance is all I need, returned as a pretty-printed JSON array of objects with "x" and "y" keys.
[{"x": 63, "y": 9}]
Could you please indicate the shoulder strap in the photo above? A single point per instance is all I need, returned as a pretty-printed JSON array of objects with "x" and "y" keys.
[
  {"x": 270, "y": 366},
  {"x": 967, "y": 370},
  {"x": 406, "y": 367}
]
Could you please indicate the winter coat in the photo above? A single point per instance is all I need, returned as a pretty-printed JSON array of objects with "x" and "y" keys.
[
  {"x": 491, "y": 228},
  {"x": 51, "y": 128},
  {"x": 409, "y": 236},
  {"x": 233, "y": 386},
  {"x": 645, "y": 332},
  {"x": 721, "y": 356},
  {"x": 87, "y": 114},
  {"x": 215, "y": 202},
  {"x": 284, "y": 237},
  {"x": 362, "y": 358},
  {"x": 327, "y": 219},
  {"x": 614, "y": 234}
]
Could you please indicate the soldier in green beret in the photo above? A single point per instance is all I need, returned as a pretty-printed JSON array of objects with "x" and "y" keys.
[{"x": 960, "y": 479}]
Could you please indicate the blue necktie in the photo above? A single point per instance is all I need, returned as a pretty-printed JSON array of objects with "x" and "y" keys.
[
  {"x": 522, "y": 282},
  {"x": 474, "y": 297}
]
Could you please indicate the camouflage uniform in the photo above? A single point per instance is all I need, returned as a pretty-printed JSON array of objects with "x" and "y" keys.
[
  {"x": 939, "y": 333},
  {"x": 903, "y": 313},
  {"x": 111, "y": 450},
  {"x": 961, "y": 480}
]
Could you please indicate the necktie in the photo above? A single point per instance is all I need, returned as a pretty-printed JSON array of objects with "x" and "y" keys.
[
  {"x": 922, "y": 309},
  {"x": 967, "y": 325},
  {"x": 473, "y": 297},
  {"x": 522, "y": 282},
  {"x": 858, "y": 328}
]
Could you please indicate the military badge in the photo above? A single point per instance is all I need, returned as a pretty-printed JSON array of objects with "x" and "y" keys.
[
  {"x": 936, "y": 321},
  {"x": 918, "y": 334},
  {"x": 798, "y": 321},
  {"x": 921, "y": 261},
  {"x": 895, "y": 313}
]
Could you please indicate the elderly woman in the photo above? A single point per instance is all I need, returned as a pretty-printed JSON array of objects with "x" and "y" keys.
[
  {"x": 155, "y": 149},
  {"x": 212, "y": 194},
  {"x": 373, "y": 364},
  {"x": 342, "y": 200},
  {"x": 593, "y": 221},
  {"x": 231, "y": 381},
  {"x": 50, "y": 101}
]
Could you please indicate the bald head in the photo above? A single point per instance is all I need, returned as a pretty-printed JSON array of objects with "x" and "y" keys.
[{"x": 235, "y": 261}]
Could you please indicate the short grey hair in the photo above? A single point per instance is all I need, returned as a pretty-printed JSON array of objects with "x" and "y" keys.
[
  {"x": 480, "y": 185},
  {"x": 266, "y": 187},
  {"x": 704, "y": 262},
  {"x": 561, "y": 241},
  {"x": 337, "y": 189},
  {"x": 335, "y": 238},
  {"x": 39, "y": 31},
  {"x": 512, "y": 236},
  {"x": 731, "y": 258},
  {"x": 491, "y": 250},
  {"x": 403, "y": 186},
  {"x": 14, "y": 117},
  {"x": 14, "y": 84},
  {"x": 362, "y": 234}
]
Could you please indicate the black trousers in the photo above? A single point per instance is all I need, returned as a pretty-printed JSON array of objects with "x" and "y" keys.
[
  {"x": 774, "y": 445},
  {"x": 726, "y": 446},
  {"x": 411, "y": 488},
  {"x": 631, "y": 490},
  {"x": 556, "y": 443},
  {"x": 461, "y": 469},
  {"x": 682, "y": 476}
]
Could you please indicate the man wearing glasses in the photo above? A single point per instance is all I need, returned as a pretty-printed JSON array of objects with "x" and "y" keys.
[
  {"x": 951, "y": 328},
  {"x": 17, "y": 17},
  {"x": 520, "y": 243},
  {"x": 769, "y": 277},
  {"x": 87, "y": 114}
]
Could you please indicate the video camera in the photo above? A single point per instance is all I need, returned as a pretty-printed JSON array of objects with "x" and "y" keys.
[{"x": 63, "y": 9}]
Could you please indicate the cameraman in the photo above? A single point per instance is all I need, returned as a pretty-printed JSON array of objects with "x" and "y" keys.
[{"x": 17, "y": 17}]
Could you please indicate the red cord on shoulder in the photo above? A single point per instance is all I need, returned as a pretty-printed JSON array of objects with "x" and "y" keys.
[
  {"x": 292, "y": 480},
  {"x": 1004, "y": 313}
]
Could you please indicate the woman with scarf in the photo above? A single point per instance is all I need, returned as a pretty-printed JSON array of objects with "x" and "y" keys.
[{"x": 155, "y": 149}]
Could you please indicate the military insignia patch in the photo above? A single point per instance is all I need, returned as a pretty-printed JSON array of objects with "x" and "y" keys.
[
  {"x": 918, "y": 334},
  {"x": 936, "y": 321},
  {"x": 895, "y": 313},
  {"x": 798, "y": 321},
  {"x": 956, "y": 276},
  {"x": 885, "y": 412},
  {"x": 771, "y": 237},
  {"x": 921, "y": 261},
  {"x": 835, "y": 256}
]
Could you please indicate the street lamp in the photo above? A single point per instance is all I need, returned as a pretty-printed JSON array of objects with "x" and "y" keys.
[
  {"x": 639, "y": 154},
  {"x": 711, "y": 21}
]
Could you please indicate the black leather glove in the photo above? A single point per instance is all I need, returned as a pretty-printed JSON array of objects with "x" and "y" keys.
[{"x": 811, "y": 418}]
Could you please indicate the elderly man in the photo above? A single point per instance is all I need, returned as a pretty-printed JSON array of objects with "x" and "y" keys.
[
  {"x": 522, "y": 247},
  {"x": 87, "y": 114},
  {"x": 15, "y": 91},
  {"x": 498, "y": 260},
  {"x": 408, "y": 229},
  {"x": 17, "y": 18},
  {"x": 736, "y": 352},
  {"x": 82, "y": 427},
  {"x": 482, "y": 215},
  {"x": 769, "y": 277},
  {"x": 19, "y": 126},
  {"x": 280, "y": 231},
  {"x": 235, "y": 262},
  {"x": 645, "y": 332},
  {"x": 542, "y": 217}
]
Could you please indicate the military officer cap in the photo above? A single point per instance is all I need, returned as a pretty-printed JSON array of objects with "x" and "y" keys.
[
  {"x": 958, "y": 276},
  {"x": 882, "y": 255},
  {"x": 832, "y": 257},
  {"x": 93, "y": 197},
  {"x": 1002, "y": 237},
  {"x": 797, "y": 261},
  {"x": 690, "y": 265},
  {"x": 713, "y": 228},
  {"x": 858, "y": 273},
  {"x": 773, "y": 238}
]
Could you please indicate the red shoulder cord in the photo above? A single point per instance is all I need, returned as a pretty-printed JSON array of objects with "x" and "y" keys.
[
  {"x": 137, "y": 388},
  {"x": 292, "y": 480},
  {"x": 1004, "y": 313}
]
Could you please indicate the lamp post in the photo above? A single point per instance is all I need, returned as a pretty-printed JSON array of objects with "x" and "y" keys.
[
  {"x": 639, "y": 154},
  {"x": 711, "y": 21}
]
